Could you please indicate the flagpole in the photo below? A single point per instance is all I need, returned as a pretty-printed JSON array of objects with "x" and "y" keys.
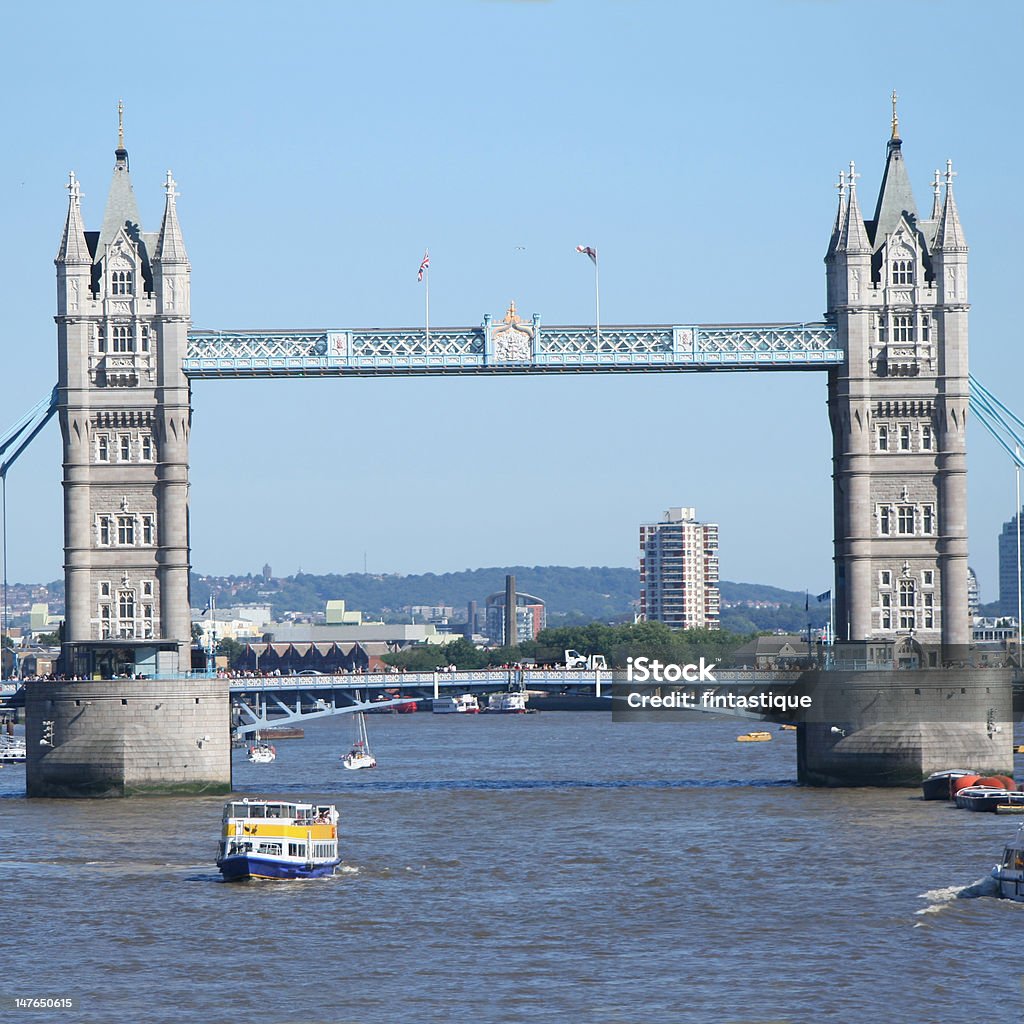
[
  {"x": 426, "y": 281},
  {"x": 597, "y": 299}
]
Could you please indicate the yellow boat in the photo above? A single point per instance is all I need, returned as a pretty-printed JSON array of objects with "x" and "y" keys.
[{"x": 754, "y": 737}]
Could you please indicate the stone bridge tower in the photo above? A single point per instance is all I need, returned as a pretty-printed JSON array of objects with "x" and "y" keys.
[
  {"x": 122, "y": 323},
  {"x": 897, "y": 293}
]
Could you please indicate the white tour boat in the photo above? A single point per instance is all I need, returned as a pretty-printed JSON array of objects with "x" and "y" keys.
[
  {"x": 278, "y": 839},
  {"x": 359, "y": 756},
  {"x": 1009, "y": 874},
  {"x": 508, "y": 702},
  {"x": 466, "y": 704},
  {"x": 13, "y": 750}
]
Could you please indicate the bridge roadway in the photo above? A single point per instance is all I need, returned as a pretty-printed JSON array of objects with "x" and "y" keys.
[{"x": 268, "y": 701}]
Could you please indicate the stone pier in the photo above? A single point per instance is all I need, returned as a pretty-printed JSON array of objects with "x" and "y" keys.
[
  {"x": 128, "y": 737},
  {"x": 896, "y": 728}
]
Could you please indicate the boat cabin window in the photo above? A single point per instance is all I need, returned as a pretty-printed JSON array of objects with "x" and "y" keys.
[
  {"x": 296, "y": 849},
  {"x": 1013, "y": 859},
  {"x": 274, "y": 849}
]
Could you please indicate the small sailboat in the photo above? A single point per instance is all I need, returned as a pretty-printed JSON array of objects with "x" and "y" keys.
[
  {"x": 262, "y": 753},
  {"x": 359, "y": 756}
]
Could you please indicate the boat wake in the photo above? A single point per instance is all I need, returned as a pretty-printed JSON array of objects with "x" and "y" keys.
[{"x": 940, "y": 899}]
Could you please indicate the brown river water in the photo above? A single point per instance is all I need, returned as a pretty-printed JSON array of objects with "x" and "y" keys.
[{"x": 539, "y": 868}]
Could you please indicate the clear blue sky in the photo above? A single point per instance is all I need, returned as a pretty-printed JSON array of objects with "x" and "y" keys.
[{"x": 319, "y": 148}]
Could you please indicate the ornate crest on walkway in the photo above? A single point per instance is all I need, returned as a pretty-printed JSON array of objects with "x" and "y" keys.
[{"x": 512, "y": 339}]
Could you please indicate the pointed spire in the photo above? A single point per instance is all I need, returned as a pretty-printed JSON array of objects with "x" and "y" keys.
[
  {"x": 122, "y": 211},
  {"x": 840, "y": 211},
  {"x": 895, "y": 197},
  {"x": 936, "y": 194},
  {"x": 73, "y": 247},
  {"x": 949, "y": 235},
  {"x": 170, "y": 246},
  {"x": 853, "y": 236}
]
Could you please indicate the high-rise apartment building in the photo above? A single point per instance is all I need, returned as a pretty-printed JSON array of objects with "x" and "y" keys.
[
  {"x": 1008, "y": 568},
  {"x": 679, "y": 571}
]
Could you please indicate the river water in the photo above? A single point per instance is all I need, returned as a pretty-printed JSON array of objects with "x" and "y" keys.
[{"x": 550, "y": 867}]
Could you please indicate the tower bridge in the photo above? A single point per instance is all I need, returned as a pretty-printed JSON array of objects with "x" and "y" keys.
[{"x": 893, "y": 348}]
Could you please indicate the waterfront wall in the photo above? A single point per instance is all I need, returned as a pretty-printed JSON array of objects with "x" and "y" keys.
[
  {"x": 896, "y": 728},
  {"x": 127, "y": 737}
]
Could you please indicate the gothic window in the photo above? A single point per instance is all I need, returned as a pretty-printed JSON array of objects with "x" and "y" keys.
[
  {"x": 928, "y": 578},
  {"x": 885, "y": 520},
  {"x": 886, "y": 603},
  {"x": 904, "y": 437},
  {"x": 148, "y": 532},
  {"x": 903, "y": 272},
  {"x": 104, "y": 529},
  {"x": 908, "y": 617},
  {"x": 105, "y": 588},
  {"x": 882, "y": 331},
  {"x": 125, "y": 442},
  {"x": 905, "y": 520},
  {"x": 885, "y": 578},
  {"x": 126, "y": 604},
  {"x": 102, "y": 448},
  {"x": 928, "y": 600},
  {"x": 883, "y": 438},
  {"x": 926, "y": 437},
  {"x": 147, "y": 448},
  {"x": 143, "y": 337},
  {"x": 926, "y": 332},
  {"x": 122, "y": 282},
  {"x": 126, "y": 530},
  {"x": 101, "y": 339},
  {"x": 122, "y": 339},
  {"x": 902, "y": 328},
  {"x": 927, "y": 518}
]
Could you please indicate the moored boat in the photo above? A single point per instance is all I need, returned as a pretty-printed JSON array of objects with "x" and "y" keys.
[
  {"x": 508, "y": 702},
  {"x": 466, "y": 704},
  {"x": 939, "y": 785},
  {"x": 988, "y": 798},
  {"x": 13, "y": 750},
  {"x": 1009, "y": 873},
  {"x": 759, "y": 736},
  {"x": 278, "y": 839}
]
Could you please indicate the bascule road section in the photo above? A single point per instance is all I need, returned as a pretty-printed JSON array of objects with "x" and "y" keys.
[
  {"x": 512, "y": 345},
  {"x": 893, "y": 348}
]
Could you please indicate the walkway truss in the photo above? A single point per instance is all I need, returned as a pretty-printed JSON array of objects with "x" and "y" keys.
[{"x": 511, "y": 345}]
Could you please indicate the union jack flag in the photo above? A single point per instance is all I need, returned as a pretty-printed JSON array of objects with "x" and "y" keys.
[
  {"x": 424, "y": 266},
  {"x": 587, "y": 251}
]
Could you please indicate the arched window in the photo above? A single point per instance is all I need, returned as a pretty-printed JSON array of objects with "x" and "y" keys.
[
  {"x": 126, "y": 604},
  {"x": 122, "y": 282},
  {"x": 908, "y": 599},
  {"x": 122, "y": 338},
  {"x": 902, "y": 328},
  {"x": 903, "y": 272}
]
